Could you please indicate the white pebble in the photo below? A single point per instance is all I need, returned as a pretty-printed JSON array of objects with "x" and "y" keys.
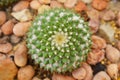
[{"x": 23, "y": 15}]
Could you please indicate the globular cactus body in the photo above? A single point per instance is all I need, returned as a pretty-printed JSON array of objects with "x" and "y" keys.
[{"x": 59, "y": 40}]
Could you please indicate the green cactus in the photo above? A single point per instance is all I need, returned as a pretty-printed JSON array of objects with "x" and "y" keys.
[
  {"x": 59, "y": 40},
  {"x": 5, "y": 3}
]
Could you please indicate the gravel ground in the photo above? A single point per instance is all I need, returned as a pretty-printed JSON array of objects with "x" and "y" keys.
[{"x": 103, "y": 62}]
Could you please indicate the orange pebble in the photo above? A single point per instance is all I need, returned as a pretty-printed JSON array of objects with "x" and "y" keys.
[
  {"x": 98, "y": 42},
  {"x": 99, "y": 4},
  {"x": 81, "y": 6}
]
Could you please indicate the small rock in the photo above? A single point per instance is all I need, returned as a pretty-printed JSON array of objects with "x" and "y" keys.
[
  {"x": 118, "y": 22},
  {"x": 21, "y": 28},
  {"x": 94, "y": 25},
  {"x": 81, "y": 6},
  {"x": 112, "y": 54},
  {"x": 45, "y": 1},
  {"x": 79, "y": 73},
  {"x": 4, "y": 39},
  {"x": 101, "y": 76},
  {"x": 61, "y": 1},
  {"x": 14, "y": 39},
  {"x": 21, "y": 5},
  {"x": 107, "y": 32},
  {"x": 2, "y": 17},
  {"x": 61, "y": 77},
  {"x": 20, "y": 55},
  {"x": 70, "y": 3},
  {"x": 0, "y": 33},
  {"x": 99, "y": 4},
  {"x": 118, "y": 64},
  {"x": 108, "y": 15},
  {"x": 87, "y": 1},
  {"x": 35, "y": 78},
  {"x": 55, "y": 4},
  {"x": 112, "y": 70},
  {"x": 5, "y": 48},
  {"x": 34, "y": 4},
  {"x": 98, "y": 67},
  {"x": 8, "y": 70},
  {"x": 98, "y": 42},
  {"x": 118, "y": 15},
  {"x": 43, "y": 8},
  {"x": 118, "y": 45},
  {"x": 95, "y": 56},
  {"x": 23, "y": 15},
  {"x": 26, "y": 73},
  {"x": 2, "y": 57},
  {"x": 7, "y": 28},
  {"x": 93, "y": 14},
  {"x": 118, "y": 18},
  {"x": 46, "y": 79},
  {"x": 89, "y": 71}
]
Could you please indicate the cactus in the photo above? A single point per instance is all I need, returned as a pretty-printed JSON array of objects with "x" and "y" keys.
[
  {"x": 59, "y": 40},
  {"x": 5, "y": 3}
]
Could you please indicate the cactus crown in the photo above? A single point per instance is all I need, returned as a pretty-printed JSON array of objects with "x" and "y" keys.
[{"x": 59, "y": 40}]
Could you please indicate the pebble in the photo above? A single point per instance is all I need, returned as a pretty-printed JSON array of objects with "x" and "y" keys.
[
  {"x": 21, "y": 28},
  {"x": 5, "y": 48},
  {"x": 21, "y": 5},
  {"x": 45, "y": 1},
  {"x": 118, "y": 22},
  {"x": 26, "y": 73},
  {"x": 101, "y": 76},
  {"x": 93, "y": 14},
  {"x": 95, "y": 56},
  {"x": 23, "y": 15},
  {"x": 7, "y": 28},
  {"x": 94, "y": 25},
  {"x": 8, "y": 70},
  {"x": 112, "y": 70},
  {"x": 118, "y": 66},
  {"x": 70, "y": 3},
  {"x": 20, "y": 55},
  {"x": 35, "y": 78},
  {"x": 118, "y": 45},
  {"x": 14, "y": 39},
  {"x": 112, "y": 54},
  {"x": 2, "y": 17},
  {"x": 98, "y": 42},
  {"x": 4, "y": 39},
  {"x": 61, "y": 77},
  {"x": 2, "y": 56},
  {"x": 0, "y": 33},
  {"x": 118, "y": 18},
  {"x": 108, "y": 15},
  {"x": 79, "y": 73},
  {"x": 98, "y": 67},
  {"x": 62, "y": 1},
  {"x": 107, "y": 32},
  {"x": 99, "y": 4},
  {"x": 55, "y": 4},
  {"x": 89, "y": 71},
  {"x": 46, "y": 79},
  {"x": 43, "y": 8},
  {"x": 34, "y": 4},
  {"x": 87, "y": 1},
  {"x": 80, "y": 6}
]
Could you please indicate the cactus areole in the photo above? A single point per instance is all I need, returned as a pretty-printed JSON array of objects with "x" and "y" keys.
[{"x": 59, "y": 40}]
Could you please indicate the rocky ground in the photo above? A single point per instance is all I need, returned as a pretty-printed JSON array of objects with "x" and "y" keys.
[{"x": 103, "y": 62}]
